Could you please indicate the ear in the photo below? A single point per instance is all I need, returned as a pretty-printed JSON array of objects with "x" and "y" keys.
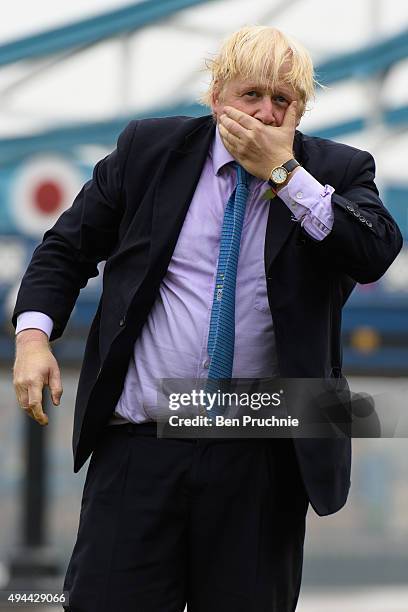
[{"x": 215, "y": 96}]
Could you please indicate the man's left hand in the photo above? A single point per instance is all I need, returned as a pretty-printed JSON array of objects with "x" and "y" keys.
[{"x": 258, "y": 147}]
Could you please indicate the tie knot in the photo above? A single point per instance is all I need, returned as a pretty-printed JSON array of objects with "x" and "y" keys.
[{"x": 243, "y": 177}]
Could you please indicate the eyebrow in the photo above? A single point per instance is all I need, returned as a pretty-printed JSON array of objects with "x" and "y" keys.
[{"x": 278, "y": 91}]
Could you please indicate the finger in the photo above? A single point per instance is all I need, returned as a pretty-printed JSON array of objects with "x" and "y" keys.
[
  {"x": 35, "y": 404},
  {"x": 244, "y": 120},
  {"x": 230, "y": 140},
  {"x": 55, "y": 386},
  {"x": 233, "y": 127},
  {"x": 22, "y": 397},
  {"x": 29, "y": 413},
  {"x": 290, "y": 118},
  {"x": 227, "y": 134},
  {"x": 23, "y": 403}
]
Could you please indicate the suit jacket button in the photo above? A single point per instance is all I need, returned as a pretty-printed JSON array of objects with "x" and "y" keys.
[
  {"x": 362, "y": 219},
  {"x": 122, "y": 321},
  {"x": 350, "y": 208},
  {"x": 369, "y": 224}
]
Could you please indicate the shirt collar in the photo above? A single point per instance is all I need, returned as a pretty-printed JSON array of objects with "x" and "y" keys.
[{"x": 219, "y": 154}]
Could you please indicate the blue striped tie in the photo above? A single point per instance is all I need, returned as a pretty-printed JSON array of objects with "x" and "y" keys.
[{"x": 221, "y": 337}]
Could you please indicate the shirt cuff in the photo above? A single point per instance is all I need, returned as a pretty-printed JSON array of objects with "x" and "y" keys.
[
  {"x": 310, "y": 203},
  {"x": 31, "y": 319}
]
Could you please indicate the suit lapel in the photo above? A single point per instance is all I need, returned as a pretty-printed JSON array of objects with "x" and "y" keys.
[
  {"x": 178, "y": 180},
  {"x": 280, "y": 224}
]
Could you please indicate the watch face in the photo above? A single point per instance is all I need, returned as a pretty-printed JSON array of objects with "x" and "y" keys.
[{"x": 279, "y": 175}]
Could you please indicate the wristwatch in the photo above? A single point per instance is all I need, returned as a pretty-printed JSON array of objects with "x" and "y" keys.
[{"x": 280, "y": 174}]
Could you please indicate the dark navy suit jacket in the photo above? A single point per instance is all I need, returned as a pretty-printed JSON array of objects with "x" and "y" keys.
[{"x": 130, "y": 214}]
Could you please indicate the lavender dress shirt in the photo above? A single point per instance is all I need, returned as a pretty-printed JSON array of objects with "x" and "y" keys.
[{"x": 173, "y": 341}]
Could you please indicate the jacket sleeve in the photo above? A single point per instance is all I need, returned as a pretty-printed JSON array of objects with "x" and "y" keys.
[
  {"x": 365, "y": 239},
  {"x": 83, "y": 236}
]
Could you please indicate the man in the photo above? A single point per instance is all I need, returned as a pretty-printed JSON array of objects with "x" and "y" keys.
[{"x": 214, "y": 523}]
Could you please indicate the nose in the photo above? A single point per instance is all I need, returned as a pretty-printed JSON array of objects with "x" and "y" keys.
[{"x": 266, "y": 111}]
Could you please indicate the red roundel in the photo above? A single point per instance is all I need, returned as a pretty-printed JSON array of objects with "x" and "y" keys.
[
  {"x": 48, "y": 197},
  {"x": 43, "y": 188}
]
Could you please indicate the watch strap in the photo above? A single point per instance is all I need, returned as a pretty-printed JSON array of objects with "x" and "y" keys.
[{"x": 289, "y": 166}]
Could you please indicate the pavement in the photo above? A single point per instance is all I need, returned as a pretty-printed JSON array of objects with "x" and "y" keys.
[{"x": 387, "y": 599}]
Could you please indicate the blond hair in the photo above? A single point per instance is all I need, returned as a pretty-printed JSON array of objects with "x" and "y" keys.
[{"x": 266, "y": 54}]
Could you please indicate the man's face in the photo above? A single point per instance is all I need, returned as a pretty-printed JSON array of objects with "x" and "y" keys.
[{"x": 261, "y": 103}]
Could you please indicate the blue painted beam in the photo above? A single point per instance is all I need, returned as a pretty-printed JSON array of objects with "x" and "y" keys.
[
  {"x": 396, "y": 197},
  {"x": 92, "y": 30},
  {"x": 64, "y": 138},
  {"x": 389, "y": 360},
  {"x": 106, "y": 132},
  {"x": 340, "y": 129},
  {"x": 396, "y": 116},
  {"x": 364, "y": 62}
]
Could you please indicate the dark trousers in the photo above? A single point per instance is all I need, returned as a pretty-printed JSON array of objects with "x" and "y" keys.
[{"x": 218, "y": 525}]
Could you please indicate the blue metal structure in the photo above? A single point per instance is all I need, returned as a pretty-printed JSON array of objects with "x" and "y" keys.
[
  {"x": 90, "y": 31},
  {"x": 62, "y": 139},
  {"x": 377, "y": 308},
  {"x": 365, "y": 62},
  {"x": 371, "y": 60}
]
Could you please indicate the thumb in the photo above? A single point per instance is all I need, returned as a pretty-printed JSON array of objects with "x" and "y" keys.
[
  {"x": 55, "y": 385},
  {"x": 290, "y": 117}
]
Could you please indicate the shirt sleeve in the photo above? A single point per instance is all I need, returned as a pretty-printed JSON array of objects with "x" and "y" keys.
[
  {"x": 310, "y": 203},
  {"x": 31, "y": 319}
]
